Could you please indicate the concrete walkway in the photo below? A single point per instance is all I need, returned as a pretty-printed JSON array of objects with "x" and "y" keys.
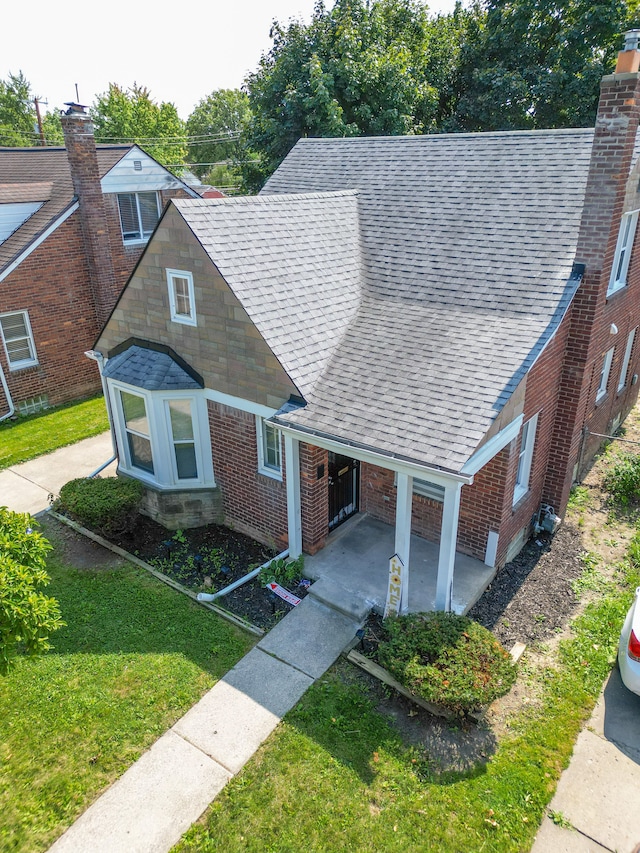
[
  {"x": 598, "y": 795},
  {"x": 26, "y": 487},
  {"x": 149, "y": 808}
]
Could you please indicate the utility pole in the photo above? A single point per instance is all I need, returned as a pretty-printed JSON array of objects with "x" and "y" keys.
[{"x": 43, "y": 142}]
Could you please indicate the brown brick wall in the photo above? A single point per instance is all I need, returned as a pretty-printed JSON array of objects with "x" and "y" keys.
[
  {"x": 314, "y": 498},
  {"x": 253, "y": 503},
  {"x": 52, "y": 285}
]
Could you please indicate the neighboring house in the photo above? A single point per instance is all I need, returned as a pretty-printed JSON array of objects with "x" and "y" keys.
[
  {"x": 434, "y": 330},
  {"x": 73, "y": 223}
]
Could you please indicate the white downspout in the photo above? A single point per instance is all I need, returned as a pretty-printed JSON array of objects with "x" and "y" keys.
[
  {"x": 99, "y": 359},
  {"x": 5, "y": 387}
]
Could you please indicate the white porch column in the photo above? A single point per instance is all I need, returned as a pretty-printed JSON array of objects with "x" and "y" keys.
[
  {"x": 294, "y": 516},
  {"x": 404, "y": 497},
  {"x": 448, "y": 537}
]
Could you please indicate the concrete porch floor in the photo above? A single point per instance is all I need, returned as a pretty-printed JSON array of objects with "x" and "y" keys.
[{"x": 356, "y": 560}]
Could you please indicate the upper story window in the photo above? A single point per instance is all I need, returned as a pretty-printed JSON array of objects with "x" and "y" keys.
[
  {"x": 525, "y": 458},
  {"x": 269, "y": 449},
  {"x": 622, "y": 256},
  {"x": 182, "y": 301},
  {"x": 17, "y": 338},
  {"x": 139, "y": 214},
  {"x": 604, "y": 374}
]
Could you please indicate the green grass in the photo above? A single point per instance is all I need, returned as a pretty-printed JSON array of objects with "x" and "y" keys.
[
  {"x": 135, "y": 655},
  {"x": 33, "y": 435},
  {"x": 336, "y": 776}
]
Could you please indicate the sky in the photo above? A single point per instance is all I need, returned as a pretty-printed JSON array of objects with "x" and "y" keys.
[{"x": 59, "y": 44}]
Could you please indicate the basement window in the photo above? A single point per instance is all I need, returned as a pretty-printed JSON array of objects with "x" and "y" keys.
[
  {"x": 139, "y": 215},
  {"x": 622, "y": 256},
  {"x": 17, "y": 338}
]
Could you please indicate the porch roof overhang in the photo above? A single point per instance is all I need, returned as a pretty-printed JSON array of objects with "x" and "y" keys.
[{"x": 364, "y": 453}]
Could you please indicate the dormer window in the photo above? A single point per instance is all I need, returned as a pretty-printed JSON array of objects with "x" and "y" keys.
[
  {"x": 622, "y": 257},
  {"x": 139, "y": 214},
  {"x": 182, "y": 301}
]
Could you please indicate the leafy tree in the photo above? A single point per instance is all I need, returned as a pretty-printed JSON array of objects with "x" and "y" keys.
[
  {"x": 538, "y": 63},
  {"x": 215, "y": 128},
  {"x": 121, "y": 115},
  {"x": 366, "y": 67},
  {"x": 18, "y": 126},
  {"x": 27, "y": 616}
]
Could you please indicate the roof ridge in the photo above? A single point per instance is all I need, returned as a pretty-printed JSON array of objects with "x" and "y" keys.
[
  {"x": 266, "y": 198},
  {"x": 407, "y": 138}
]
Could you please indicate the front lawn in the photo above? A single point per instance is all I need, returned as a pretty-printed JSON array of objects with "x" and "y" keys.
[
  {"x": 134, "y": 657},
  {"x": 33, "y": 435}
]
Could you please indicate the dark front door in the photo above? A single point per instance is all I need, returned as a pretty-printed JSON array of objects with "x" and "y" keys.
[{"x": 343, "y": 488}]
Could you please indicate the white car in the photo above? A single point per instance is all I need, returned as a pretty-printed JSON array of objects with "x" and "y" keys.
[{"x": 629, "y": 647}]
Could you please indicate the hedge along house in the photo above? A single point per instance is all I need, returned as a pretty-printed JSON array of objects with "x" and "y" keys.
[
  {"x": 431, "y": 330},
  {"x": 73, "y": 223}
]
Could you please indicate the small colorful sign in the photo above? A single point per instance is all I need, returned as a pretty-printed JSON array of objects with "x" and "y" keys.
[
  {"x": 395, "y": 590},
  {"x": 284, "y": 594}
]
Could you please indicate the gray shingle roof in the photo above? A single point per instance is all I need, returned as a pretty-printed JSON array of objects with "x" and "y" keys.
[
  {"x": 149, "y": 369},
  {"x": 42, "y": 174},
  {"x": 468, "y": 245},
  {"x": 295, "y": 264}
]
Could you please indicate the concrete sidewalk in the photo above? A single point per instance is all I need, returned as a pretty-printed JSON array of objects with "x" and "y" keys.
[
  {"x": 149, "y": 808},
  {"x": 599, "y": 792},
  {"x": 26, "y": 487}
]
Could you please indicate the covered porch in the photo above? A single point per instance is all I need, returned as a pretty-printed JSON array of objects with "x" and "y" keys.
[{"x": 354, "y": 564}]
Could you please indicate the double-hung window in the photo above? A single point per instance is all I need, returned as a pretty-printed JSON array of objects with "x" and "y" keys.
[
  {"x": 17, "y": 338},
  {"x": 139, "y": 214},
  {"x": 622, "y": 256},
  {"x": 182, "y": 301},
  {"x": 183, "y": 439},
  {"x": 136, "y": 427},
  {"x": 604, "y": 374},
  {"x": 625, "y": 361},
  {"x": 525, "y": 459},
  {"x": 269, "y": 449}
]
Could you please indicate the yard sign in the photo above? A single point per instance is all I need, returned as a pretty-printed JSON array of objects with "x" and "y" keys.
[
  {"x": 396, "y": 589},
  {"x": 284, "y": 594}
]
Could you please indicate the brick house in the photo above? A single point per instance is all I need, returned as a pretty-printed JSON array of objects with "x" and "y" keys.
[
  {"x": 433, "y": 330},
  {"x": 73, "y": 223}
]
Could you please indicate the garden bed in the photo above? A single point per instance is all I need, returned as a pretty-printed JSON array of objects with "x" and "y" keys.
[{"x": 207, "y": 559}]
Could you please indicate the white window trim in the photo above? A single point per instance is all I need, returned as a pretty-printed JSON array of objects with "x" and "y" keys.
[
  {"x": 425, "y": 489},
  {"x": 628, "y": 224},
  {"x": 25, "y": 362},
  {"x": 186, "y": 319},
  {"x": 604, "y": 375},
  {"x": 136, "y": 241},
  {"x": 627, "y": 358},
  {"x": 165, "y": 474},
  {"x": 263, "y": 468},
  {"x": 527, "y": 444}
]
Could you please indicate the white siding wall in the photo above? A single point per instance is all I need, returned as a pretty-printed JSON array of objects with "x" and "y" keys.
[{"x": 125, "y": 178}]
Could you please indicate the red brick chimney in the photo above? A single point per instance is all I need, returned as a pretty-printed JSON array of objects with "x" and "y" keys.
[
  {"x": 616, "y": 127},
  {"x": 83, "y": 163}
]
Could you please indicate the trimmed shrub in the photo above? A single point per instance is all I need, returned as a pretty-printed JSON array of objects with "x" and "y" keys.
[
  {"x": 446, "y": 659},
  {"x": 109, "y": 505},
  {"x": 27, "y": 616},
  {"x": 622, "y": 480}
]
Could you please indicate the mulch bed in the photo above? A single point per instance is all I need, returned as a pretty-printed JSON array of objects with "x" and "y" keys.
[{"x": 213, "y": 552}]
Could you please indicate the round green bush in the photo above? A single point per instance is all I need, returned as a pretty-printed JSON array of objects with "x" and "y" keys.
[
  {"x": 108, "y": 505},
  {"x": 446, "y": 659},
  {"x": 622, "y": 480}
]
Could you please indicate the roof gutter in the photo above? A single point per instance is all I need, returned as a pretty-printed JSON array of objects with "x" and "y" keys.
[{"x": 389, "y": 461}]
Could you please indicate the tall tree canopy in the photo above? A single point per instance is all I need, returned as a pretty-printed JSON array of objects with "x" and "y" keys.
[
  {"x": 215, "y": 129},
  {"x": 18, "y": 123},
  {"x": 131, "y": 115},
  {"x": 366, "y": 67},
  {"x": 538, "y": 63}
]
